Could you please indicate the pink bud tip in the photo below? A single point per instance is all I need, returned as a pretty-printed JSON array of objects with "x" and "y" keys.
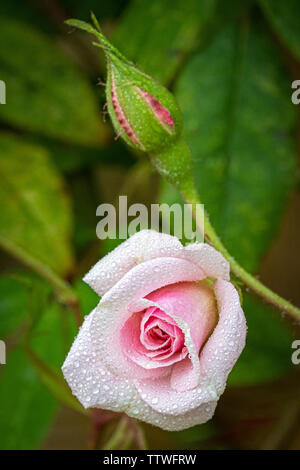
[
  {"x": 121, "y": 116},
  {"x": 158, "y": 109}
]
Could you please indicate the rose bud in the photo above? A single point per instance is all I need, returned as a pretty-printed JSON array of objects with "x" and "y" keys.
[{"x": 143, "y": 112}]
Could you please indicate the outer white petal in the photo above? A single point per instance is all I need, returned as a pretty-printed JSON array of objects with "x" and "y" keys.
[
  {"x": 140, "y": 247},
  {"x": 89, "y": 380},
  {"x": 113, "y": 310},
  {"x": 141, "y": 410},
  {"x": 160, "y": 397},
  {"x": 149, "y": 244},
  {"x": 227, "y": 341},
  {"x": 211, "y": 261}
]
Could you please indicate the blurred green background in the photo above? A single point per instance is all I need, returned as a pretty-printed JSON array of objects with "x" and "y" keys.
[{"x": 231, "y": 65}]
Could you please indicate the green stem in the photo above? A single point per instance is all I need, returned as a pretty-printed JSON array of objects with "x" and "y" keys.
[
  {"x": 139, "y": 434},
  {"x": 117, "y": 436},
  {"x": 191, "y": 197}
]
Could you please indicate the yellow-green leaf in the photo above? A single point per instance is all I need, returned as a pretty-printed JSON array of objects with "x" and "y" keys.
[{"x": 36, "y": 221}]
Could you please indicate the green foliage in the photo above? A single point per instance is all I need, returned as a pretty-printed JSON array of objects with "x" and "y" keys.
[
  {"x": 285, "y": 19},
  {"x": 27, "y": 407},
  {"x": 85, "y": 214},
  {"x": 158, "y": 35},
  {"x": 46, "y": 93},
  {"x": 238, "y": 117},
  {"x": 267, "y": 355},
  {"x": 12, "y": 305},
  {"x": 25, "y": 13},
  {"x": 75, "y": 158},
  {"x": 35, "y": 209},
  {"x": 88, "y": 298},
  {"x": 55, "y": 382},
  {"x": 196, "y": 436},
  {"x": 101, "y": 9}
]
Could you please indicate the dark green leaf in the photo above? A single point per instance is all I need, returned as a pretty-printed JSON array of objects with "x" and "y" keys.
[
  {"x": 85, "y": 215},
  {"x": 45, "y": 92},
  {"x": 239, "y": 118},
  {"x": 27, "y": 408},
  {"x": 35, "y": 210},
  {"x": 285, "y": 19},
  {"x": 50, "y": 339},
  {"x": 13, "y": 305},
  {"x": 27, "y": 13},
  {"x": 100, "y": 9},
  {"x": 55, "y": 382},
  {"x": 158, "y": 35},
  {"x": 88, "y": 298},
  {"x": 71, "y": 158},
  {"x": 267, "y": 354}
]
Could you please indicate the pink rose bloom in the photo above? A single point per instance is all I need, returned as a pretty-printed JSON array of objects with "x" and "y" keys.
[{"x": 162, "y": 340}]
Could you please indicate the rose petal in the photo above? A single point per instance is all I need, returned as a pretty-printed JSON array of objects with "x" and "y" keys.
[
  {"x": 211, "y": 261},
  {"x": 192, "y": 302},
  {"x": 135, "y": 350},
  {"x": 183, "y": 376},
  {"x": 89, "y": 380},
  {"x": 113, "y": 310},
  {"x": 149, "y": 244},
  {"x": 216, "y": 360},
  {"x": 162, "y": 398},
  {"x": 171, "y": 422},
  {"x": 140, "y": 247},
  {"x": 195, "y": 304},
  {"x": 192, "y": 374},
  {"x": 159, "y": 318},
  {"x": 226, "y": 343}
]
